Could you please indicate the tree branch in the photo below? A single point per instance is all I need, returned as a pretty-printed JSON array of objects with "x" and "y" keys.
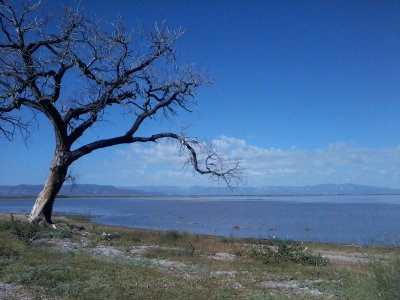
[{"x": 215, "y": 165}]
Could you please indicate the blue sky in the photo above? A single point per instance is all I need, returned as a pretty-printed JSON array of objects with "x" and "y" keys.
[{"x": 307, "y": 92}]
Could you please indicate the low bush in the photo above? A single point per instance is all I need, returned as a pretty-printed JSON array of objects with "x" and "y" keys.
[
  {"x": 26, "y": 233},
  {"x": 285, "y": 251}
]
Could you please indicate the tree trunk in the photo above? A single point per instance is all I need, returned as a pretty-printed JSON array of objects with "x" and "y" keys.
[{"x": 43, "y": 207}]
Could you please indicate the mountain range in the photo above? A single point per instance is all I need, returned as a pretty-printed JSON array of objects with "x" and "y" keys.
[{"x": 94, "y": 190}]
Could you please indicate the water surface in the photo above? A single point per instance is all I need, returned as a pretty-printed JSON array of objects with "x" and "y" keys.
[{"x": 361, "y": 220}]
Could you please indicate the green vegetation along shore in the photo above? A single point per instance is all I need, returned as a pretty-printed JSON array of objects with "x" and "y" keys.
[{"x": 82, "y": 260}]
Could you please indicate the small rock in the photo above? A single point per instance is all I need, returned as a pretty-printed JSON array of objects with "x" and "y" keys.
[
  {"x": 237, "y": 285},
  {"x": 113, "y": 235}
]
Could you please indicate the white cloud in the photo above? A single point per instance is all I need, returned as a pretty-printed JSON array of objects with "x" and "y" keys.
[{"x": 163, "y": 163}]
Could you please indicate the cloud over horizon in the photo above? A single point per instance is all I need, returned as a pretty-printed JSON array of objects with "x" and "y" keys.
[{"x": 162, "y": 163}]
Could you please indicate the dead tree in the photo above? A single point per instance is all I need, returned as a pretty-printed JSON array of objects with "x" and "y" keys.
[{"x": 72, "y": 70}]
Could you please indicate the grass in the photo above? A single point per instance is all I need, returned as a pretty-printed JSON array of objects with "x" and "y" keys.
[
  {"x": 387, "y": 276},
  {"x": 179, "y": 265}
]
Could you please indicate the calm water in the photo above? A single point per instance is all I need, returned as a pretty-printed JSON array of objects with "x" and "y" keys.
[{"x": 363, "y": 220}]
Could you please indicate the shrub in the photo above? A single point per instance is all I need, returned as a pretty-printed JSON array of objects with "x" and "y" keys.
[
  {"x": 26, "y": 234},
  {"x": 282, "y": 250},
  {"x": 263, "y": 253}
]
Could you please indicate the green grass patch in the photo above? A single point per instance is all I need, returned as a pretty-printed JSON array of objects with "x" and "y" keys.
[{"x": 387, "y": 275}]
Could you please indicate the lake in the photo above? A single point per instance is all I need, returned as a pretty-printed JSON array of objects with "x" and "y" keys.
[{"x": 359, "y": 220}]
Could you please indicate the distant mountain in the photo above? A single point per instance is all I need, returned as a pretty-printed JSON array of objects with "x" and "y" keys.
[
  {"x": 94, "y": 190},
  {"x": 322, "y": 189}
]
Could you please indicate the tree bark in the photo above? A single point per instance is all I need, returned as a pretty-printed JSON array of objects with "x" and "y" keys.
[{"x": 43, "y": 207}]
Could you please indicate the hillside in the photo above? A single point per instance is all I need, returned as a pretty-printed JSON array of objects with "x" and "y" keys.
[{"x": 94, "y": 190}]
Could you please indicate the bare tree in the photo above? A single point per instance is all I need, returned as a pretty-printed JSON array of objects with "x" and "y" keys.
[{"x": 72, "y": 70}]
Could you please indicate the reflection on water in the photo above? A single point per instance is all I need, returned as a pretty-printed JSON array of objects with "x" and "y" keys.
[{"x": 363, "y": 220}]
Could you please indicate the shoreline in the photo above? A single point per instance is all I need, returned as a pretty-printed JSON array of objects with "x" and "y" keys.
[
  {"x": 87, "y": 220},
  {"x": 200, "y": 196},
  {"x": 183, "y": 223},
  {"x": 85, "y": 260}
]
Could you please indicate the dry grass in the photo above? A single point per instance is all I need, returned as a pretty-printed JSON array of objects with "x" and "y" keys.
[{"x": 100, "y": 262}]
